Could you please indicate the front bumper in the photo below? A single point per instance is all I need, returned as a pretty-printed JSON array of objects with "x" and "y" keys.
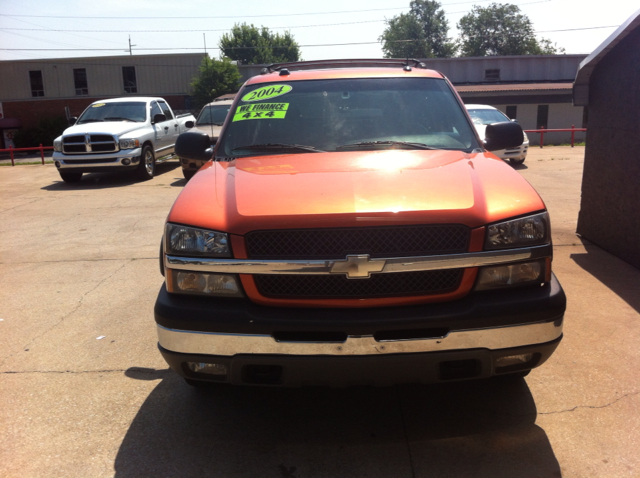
[
  {"x": 97, "y": 162},
  {"x": 349, "y": 346}
]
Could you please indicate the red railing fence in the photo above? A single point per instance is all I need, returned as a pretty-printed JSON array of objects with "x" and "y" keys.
[
  {"x": 542, "y": 131},
  {"x": 11, "y": 149}
]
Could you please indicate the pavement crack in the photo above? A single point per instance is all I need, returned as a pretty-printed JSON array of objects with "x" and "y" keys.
[
  {"x": 62, "y": 319},
  {"x": 630, "y": 394},
  {"x": 21, "y": 205}
]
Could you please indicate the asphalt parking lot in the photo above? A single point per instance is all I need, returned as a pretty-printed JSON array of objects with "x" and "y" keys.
[{"x": 84, "y": 391}]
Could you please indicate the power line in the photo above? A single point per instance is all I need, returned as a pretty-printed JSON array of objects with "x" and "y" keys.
[{"x": 240, "y": 17}]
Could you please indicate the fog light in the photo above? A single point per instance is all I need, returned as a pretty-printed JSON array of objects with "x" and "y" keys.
[
  {"x": 513, "y": 360},
  {"x": 126, "y": 161},
  {"x": 208, "y": 368},
  {"x": 58, "y": 164}
]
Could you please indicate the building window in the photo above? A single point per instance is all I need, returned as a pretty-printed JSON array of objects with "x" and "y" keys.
[
  {"x": 543, "y": 117},
  {"x": 512, "y": 112},
  {"x": 129, "y": 79},
  {"x": 492, "y": 75},
  {"x": 80, "y": 81},
  {"x": 37, "y": 85}
]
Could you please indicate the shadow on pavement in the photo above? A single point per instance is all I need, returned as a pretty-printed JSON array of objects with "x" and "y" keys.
[
  {"x": 622, "y": 278},
  {"x": 520, "y": 166},
  {"x": 459, "y": 429},
  {"x": 109, "y": 180}
]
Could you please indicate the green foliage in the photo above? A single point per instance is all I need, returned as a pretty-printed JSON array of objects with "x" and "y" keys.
[
  {"x": 435, "y": 26},
  {"x": 500, "y": 30},
  {"x": 421, "y": 33},
  {"x": 252, "y": 45},
  {"x": 47, "y": 130},
  {"x": 215, "y": 78}
]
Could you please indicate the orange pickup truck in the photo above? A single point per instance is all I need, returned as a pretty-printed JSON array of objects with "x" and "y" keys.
[{"x": 352, "y": 228}]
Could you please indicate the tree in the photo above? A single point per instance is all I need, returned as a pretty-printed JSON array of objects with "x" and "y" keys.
[
  {"x": 421, "y": 33},
  {"x": 215, "y": 78},
  {"x": 500, "y": 30},
  {"x": 404, "y": 38},
  {"x": 435, "y": 26},
  {"x": 249, "y": 44}
]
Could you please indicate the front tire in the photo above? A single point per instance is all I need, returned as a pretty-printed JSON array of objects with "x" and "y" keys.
[
  {"x": 147, "y": 166},
  {"x": 70, "y": 177},
  {"x": 189, "y": 173},
  {"x": 515, "y": 161}
]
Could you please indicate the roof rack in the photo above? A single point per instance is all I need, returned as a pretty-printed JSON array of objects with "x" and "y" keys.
[{"x": 356, "y": 63}]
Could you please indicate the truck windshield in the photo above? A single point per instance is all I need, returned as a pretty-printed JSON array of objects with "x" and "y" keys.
[
  {"x": 482, "y": 116},
  {"x": 346, "y": 115},
  {"x": 213, "y": 115},
  {"x": 121, "y": 111}
]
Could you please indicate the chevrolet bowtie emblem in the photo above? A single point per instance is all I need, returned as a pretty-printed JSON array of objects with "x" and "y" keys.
[{"x": 358, "y": 266}]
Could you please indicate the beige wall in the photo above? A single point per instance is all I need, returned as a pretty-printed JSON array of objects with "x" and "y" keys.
[
  {"x": 156, "y": 75},
  {"x": 561, "y": 115}
]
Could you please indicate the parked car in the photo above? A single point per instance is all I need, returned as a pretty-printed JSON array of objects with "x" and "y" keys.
[
  {"x": 352, "y": 228},
  {"x": 118, "y": 134},
  {"x": 483, "y": 115},
  {"x": 210, "y": 121}
]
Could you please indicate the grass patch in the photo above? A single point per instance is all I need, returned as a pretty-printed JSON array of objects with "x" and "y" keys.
[{"x": 8, "y": 163}]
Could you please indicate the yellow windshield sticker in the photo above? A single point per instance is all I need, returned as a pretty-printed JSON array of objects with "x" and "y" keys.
[
  {"x": 266, "y": 93},
  {"x": 261, "y": 111},
  {"x": 97, "y": 105}
]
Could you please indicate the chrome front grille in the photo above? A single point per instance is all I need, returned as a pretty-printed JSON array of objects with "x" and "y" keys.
[
  {"x": 89, "y": 143},
  {"x": 337, "y": 243}
]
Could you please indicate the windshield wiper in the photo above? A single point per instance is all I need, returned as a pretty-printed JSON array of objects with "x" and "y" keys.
[
  {"x": 117, "y": 118},
  {"x": 278, "y": 147},
  {"x": 93, "y": 120},
  {"x": 385, "y": 144},
  {"x": 214, "y": 124}
]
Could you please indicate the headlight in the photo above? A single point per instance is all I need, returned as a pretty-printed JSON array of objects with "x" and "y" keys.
[
  {"x": 526, "y": 138},
  {"x": 190, "y": 241},
  {"x": 526, "y": 231},
  {"x": 129, "y": 143},
  {"x": 522, "y": 273},
  {"x": 57, "y": 145},
  {"x": 219, "y": 285}
]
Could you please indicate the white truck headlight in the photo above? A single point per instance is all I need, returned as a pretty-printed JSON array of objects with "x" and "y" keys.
[
  {"x": 525, "y": 231},
  {"x": 129, "y": 143},
  {"x": 191, "y": 241},
  {"x": 57, "y": 145}
]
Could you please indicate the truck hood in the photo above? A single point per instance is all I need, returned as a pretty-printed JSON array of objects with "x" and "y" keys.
[
  {"x": 346, "y": 189},
  {"x": 111, "y": 127}
]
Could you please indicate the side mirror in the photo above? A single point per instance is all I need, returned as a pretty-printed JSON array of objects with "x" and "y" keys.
[
  {"x": 514, "y": 120},
  {"x": 159, "y": 118},
  {"x": 195, "y": 146},
  {"x": 502, "y": 136},
  {"x": 189, "y": 124},
  {"x": 73, "y": 120}
]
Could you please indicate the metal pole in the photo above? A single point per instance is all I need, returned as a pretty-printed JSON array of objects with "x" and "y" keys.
[
  {"x": 11, "y": 153},
  {"x": 572, "y": 133},
  {"x": 204, "y": 35},
  {"x": 541, "y": 136},
  {"x": 42, "y": 153}
]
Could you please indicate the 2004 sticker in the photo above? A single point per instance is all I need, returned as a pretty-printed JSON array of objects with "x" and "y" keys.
[
  {"x": 266, "y": 93},
  {"x": 261, "y": 111}
]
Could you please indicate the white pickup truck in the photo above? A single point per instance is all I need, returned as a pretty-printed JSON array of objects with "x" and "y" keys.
[{"x": 119, "y": 134}]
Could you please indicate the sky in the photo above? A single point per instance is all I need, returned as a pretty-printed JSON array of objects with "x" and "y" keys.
[{"x": 331, "y": 29}]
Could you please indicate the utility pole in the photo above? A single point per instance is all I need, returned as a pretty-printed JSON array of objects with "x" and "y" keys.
[
  {"x": 204, "y": 35},
  {"x": 130, "y": 45}
]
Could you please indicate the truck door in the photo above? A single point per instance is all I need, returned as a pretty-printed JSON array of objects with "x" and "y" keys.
[
  {"x": 162, "y": 132},
  {"x": 172, "y": 123}
]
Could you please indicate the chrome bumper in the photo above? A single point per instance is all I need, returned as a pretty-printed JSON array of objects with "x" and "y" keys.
[
  {"x": 209, "y": 343},
  {"x": 88, "y": 161}
]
